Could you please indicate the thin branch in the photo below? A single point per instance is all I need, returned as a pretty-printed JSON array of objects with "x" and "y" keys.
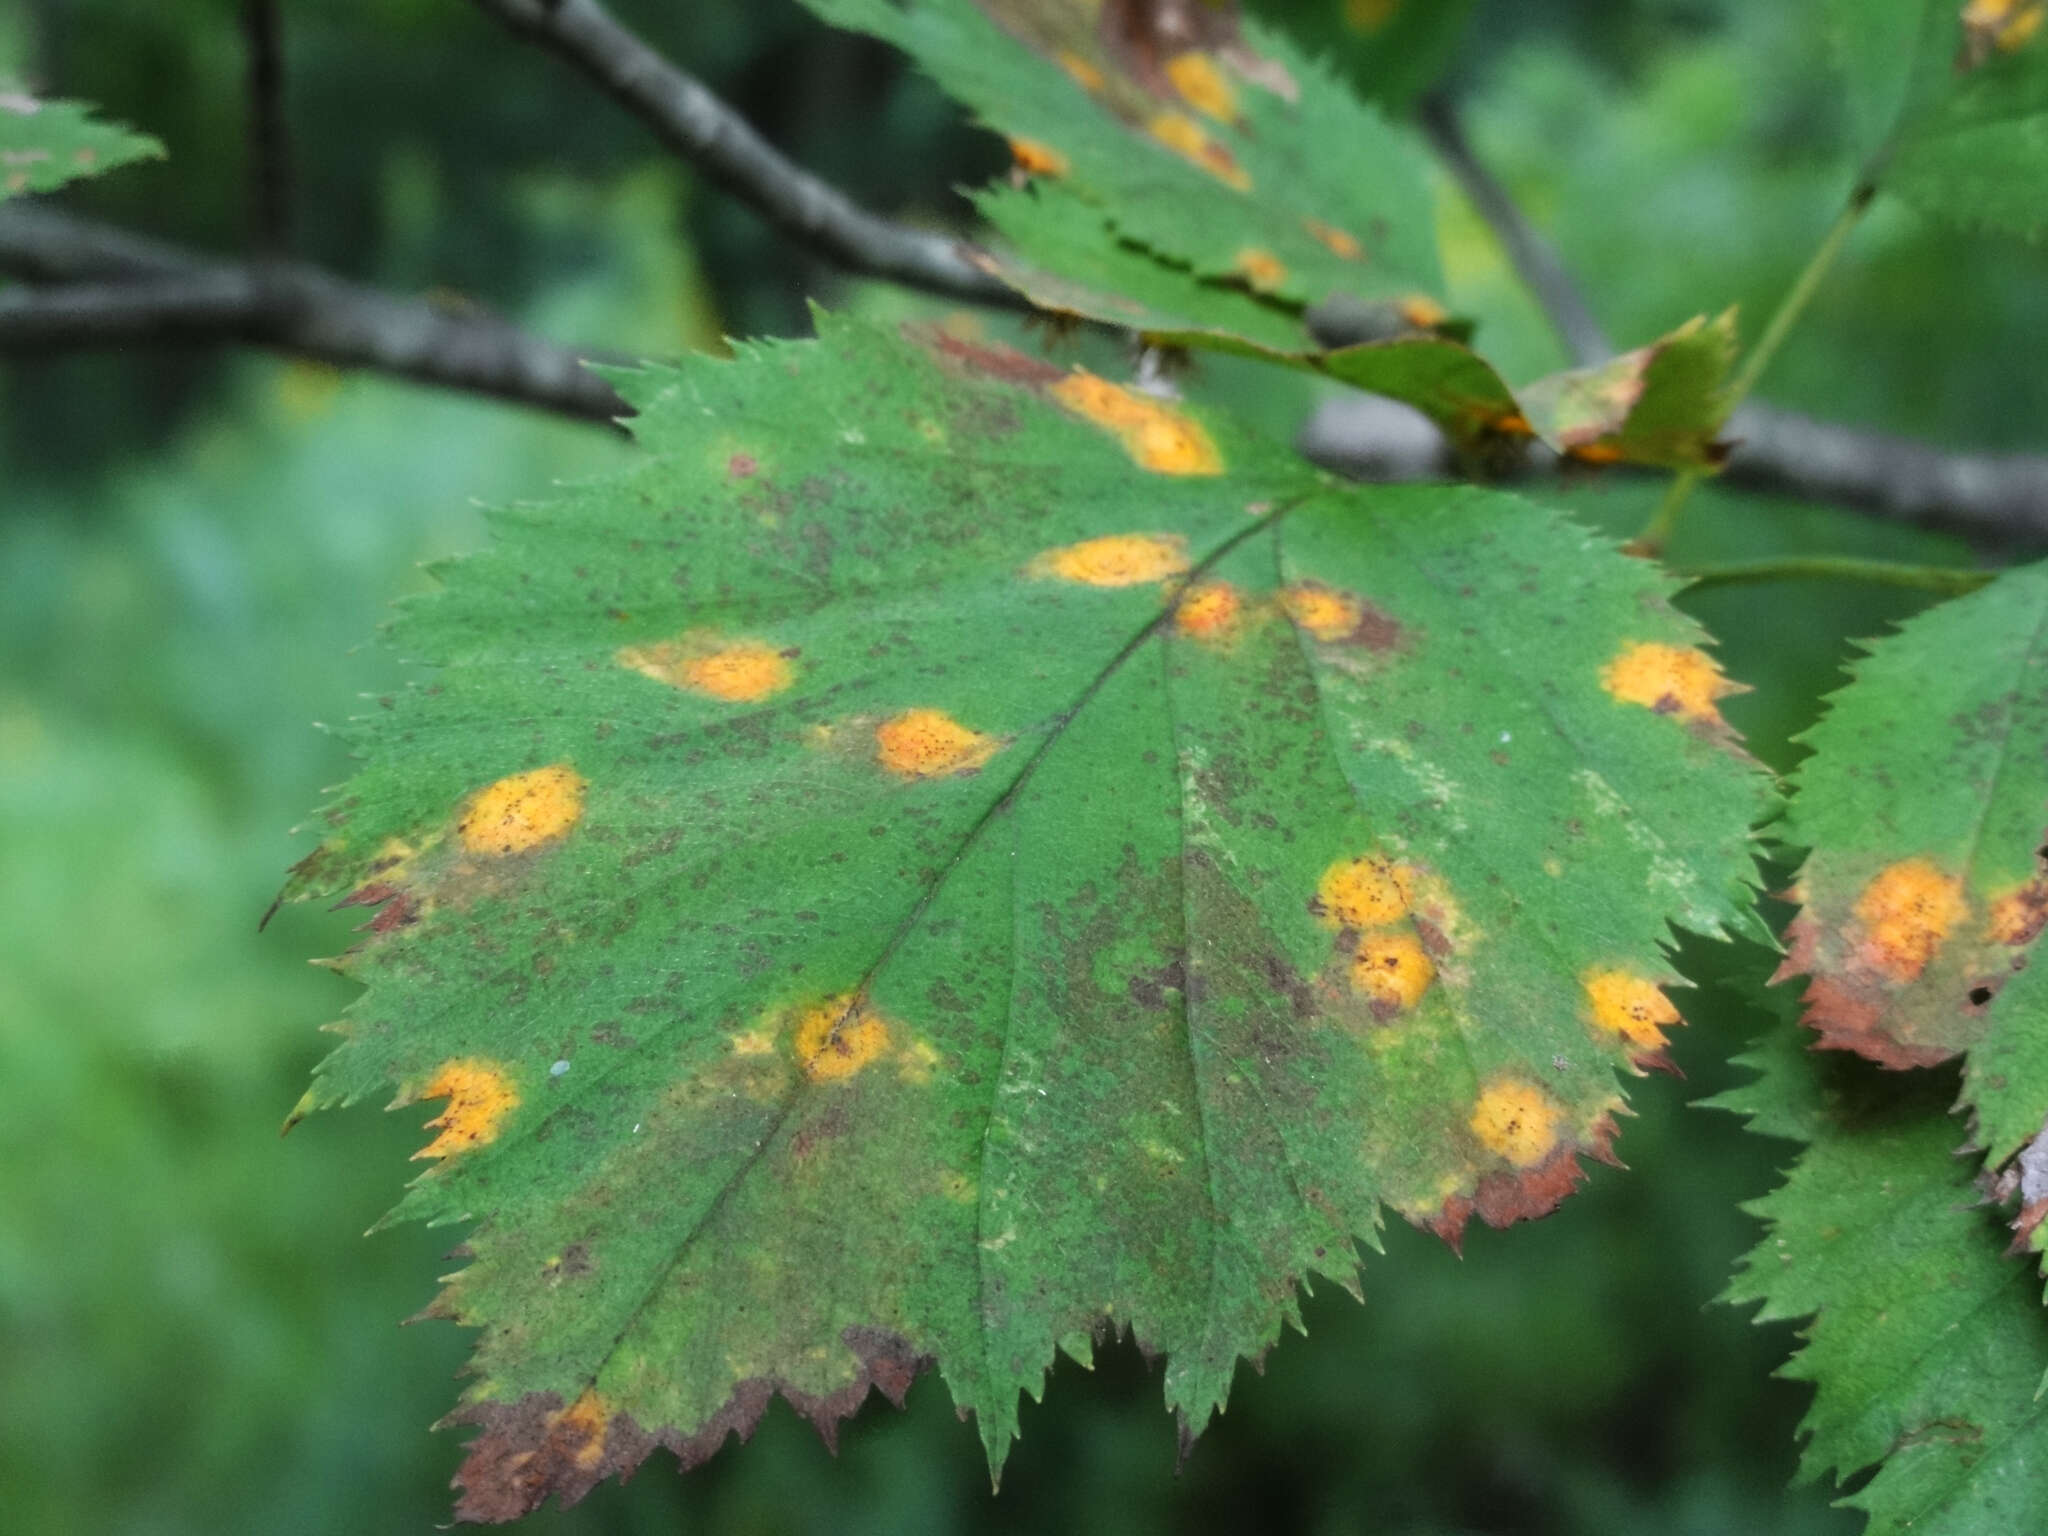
[
  {"x": 269, "y": 140},
  {"x": 1534, "y": 259},
  {"x": 701, "y": 128},
  {"x": 118, "y": 290},
  {"x": 1995, "y": 499}
]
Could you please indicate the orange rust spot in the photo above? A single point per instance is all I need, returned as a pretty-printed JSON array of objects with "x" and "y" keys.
[
  {"x": 742, "y": 672},
  {"x": 1601, "y": 451},
  {"x": 839, "y": 1037},
  {"x": 1158, "y": 437},
  {"x": 1518, "y": 1121},
  {"x": 1422, "y": 312},
  {"x": 480, "y": 1095},
  {"x": 587, "y": 1422},
  {"x": 523, "y": 811},
  {"x": 1262, "y": 270},
  {"x": 1393, "y": 969},
  {"x": 1116, "y": 560},
  {"x": 1339, "y": 242},
  {"x": 1670, "y": 679},
  {"x": 1907, "y": 910},
  {"x": 931, "y": 744},
  {"x": 1038, "y": 159},
  {"x": 1630, "y": 1007},
  {"x": 1323, "y": 611},
  {"x": 2018, "y": 916},
  {"x": 1186, "y": 138},
  {"x": 1365, "y": 892},
  {"x": 1208, "y": 611},
  {"x": 1202, "y": 85},
  {"x": 1083, "y": 74}
]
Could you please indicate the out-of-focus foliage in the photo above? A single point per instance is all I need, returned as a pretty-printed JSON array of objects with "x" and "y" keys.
[
  {"x": 44, "y": 144},
  {"x": 191, "y": 1338}
]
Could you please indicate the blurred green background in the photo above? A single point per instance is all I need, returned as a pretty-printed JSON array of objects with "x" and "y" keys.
[{"x": 196, "y": 547}]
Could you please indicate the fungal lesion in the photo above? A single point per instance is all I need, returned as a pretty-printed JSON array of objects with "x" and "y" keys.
[
  {"x": 1906, "y": 913},
  {"x": 1678, "y": 680},
  {"x": 931, "y": 744},
  {"x": 523, "y": 811},
  {"x": 1115, "y": 560},
  {"x": 481, "y": 1096},
  {"x": 732, "y": 671},
  {"x": 1154, "y": 434}
]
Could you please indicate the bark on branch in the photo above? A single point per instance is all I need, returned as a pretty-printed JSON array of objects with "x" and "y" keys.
[
  {"x": 114, "y": 289},
  {"x": 701, "y": 128}
]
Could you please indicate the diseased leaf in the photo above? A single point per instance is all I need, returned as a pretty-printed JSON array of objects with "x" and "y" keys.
[
  {"x": 1926, "y": 807},
  {"x": 1202, "y": 137},
  {"x": 950, "y": 860},
  {"x": 1952, "y": 99},
  {"x": 1663, "y": 404},
  {"x": 44, "y": 144},
  {"x": 1926, "y": 1347}
]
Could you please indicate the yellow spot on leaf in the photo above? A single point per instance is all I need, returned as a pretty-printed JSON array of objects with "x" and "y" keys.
[
  {"x": 1422, "y": 312},
  {"x": 587, "y": 1422},
  {"x": 1340, "y": 243},
  {"x": 1158, "y": 437},
  {"x": 1907, "y": 910},
  {"x": 1630, "y": 1007},
  {"x": 1084, "y": 74},
  {"x": 753, "y": 1042},
  {"x": 1324, "y": 612},
  {"x": 1039, "y": 159},
  {"x": 1116, "y": 560},
  {"x": 1208, "y": 611},
  {"x": 931, "y": 744},
  {"x": 1202, "y": 86},
  {"x": 1392, "y": 968},
  {"x": 1670, "y": 679},
  {"x": 1263, "y": 271},
  {"x": 916, "y": 1062},
  {"x": 1365, "y": 892},
  {"x": 523, "y": 811},
  {"x": 2001, "y": 26},
  {"x": 740, "y": 672},
  {"x": 480, "y": 1095},
  {"x": 1186, "y": 138},
  {"x": 838, "y": 1038},
  {"x": 1518, "y": 1121}
]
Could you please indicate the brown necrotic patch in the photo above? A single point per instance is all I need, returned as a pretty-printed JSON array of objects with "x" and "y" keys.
[
  {"x": 731, "y": 671},
  {"x": 533, "y": 1449},
  {"x": 1524, "y": 1192},
  {"x": 931, "y": 744},
  {"x": 480, "y": 1094}
]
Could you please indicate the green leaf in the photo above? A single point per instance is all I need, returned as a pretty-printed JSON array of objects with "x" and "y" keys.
[
  {"x": 44, "y": 144},
  {"x": 1952, "y": 100},
  {"x": 890, "y": 880},
  {"x": 1206, "y": 140},
  {"x": 1926, "y": 807},
  {"x": 1661, "y": 404},
  {"x": 1927, "y": 1348}
]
